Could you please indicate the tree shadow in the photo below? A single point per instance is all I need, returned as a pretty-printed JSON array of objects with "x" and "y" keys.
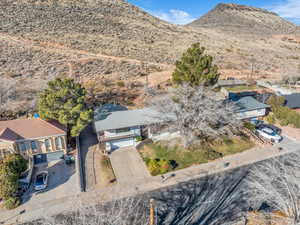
[{"x": 212, "y": 200}]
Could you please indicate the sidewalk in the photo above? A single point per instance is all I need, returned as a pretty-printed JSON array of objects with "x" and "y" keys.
[{"x": 154, "y": 183}]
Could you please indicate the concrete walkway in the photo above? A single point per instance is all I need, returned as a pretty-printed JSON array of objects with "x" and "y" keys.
[{"x": 127, "y": 189}]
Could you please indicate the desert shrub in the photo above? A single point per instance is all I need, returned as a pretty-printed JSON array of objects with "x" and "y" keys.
[
  {"x": 271, "y": 119},
  {"x": 121, "y": 84},
  {"x": 287, "y": 116},
  {"x": 249, "y": 126},
  {"x": 276, "y": 101},
  {"x": 12, "y": 203}
]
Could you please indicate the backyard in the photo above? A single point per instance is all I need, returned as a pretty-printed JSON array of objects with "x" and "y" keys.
[{"x": 161, "y": 157}]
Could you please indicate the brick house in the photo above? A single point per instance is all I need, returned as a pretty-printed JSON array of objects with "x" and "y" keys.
[{"x": 31, "y": 136}]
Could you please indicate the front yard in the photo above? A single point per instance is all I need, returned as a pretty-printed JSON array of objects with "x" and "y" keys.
[{"x": 161, "y": 157}]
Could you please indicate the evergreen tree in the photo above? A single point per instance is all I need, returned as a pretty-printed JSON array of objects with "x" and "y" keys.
[
  {"x": 195, "y": 68},
  {"x": 64, "y": 101},
  {"x": 10, "y": 170}
]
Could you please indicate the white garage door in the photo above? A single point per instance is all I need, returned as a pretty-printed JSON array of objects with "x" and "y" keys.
[{"x": 122, "y": 143}]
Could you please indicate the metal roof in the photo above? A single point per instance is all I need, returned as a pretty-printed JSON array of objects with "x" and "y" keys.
[
  {"x": 128, "y": 118},
  {"x": 292, "y": 101},
  {"x": 249, "y": 104},
  {"x": 225, "y": 83}
]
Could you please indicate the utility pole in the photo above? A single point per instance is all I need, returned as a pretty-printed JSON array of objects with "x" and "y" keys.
[{"x": 152, "y": 212}]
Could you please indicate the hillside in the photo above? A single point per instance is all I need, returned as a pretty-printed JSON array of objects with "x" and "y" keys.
[
  {"x": 113, "y": 40},
  {"x": 241, "y": 18}
]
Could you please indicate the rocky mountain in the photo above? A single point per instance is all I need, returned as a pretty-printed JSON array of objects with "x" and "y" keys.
[
  {"x": 241, "y": 18},
  {"x": 113, "y": 40}
]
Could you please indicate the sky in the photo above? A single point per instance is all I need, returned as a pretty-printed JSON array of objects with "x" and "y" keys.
[{"x": 185, "y": 11}]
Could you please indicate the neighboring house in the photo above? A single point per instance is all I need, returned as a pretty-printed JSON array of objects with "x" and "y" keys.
[
  {"x": 293, "y": 101},
  {"x": 121, "y": 128},
  {"x": 31, "y": 136},
  {"x": 249, "y": 107}
]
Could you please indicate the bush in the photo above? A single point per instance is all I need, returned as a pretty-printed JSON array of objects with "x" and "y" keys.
[
  {"x": 271, "y": 119},
  {"x": 159, "y": 166},
  {"x": 10, "y": 170},
  {"x": 276, "y": 101},
  {"x": 249, "y": 126},
  {"x": 121, "y": 83},
  {"x": 12, "y": 203},
  {"x": 139, "y": 138}
]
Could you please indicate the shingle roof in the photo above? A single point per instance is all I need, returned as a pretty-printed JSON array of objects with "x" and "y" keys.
[
  {"x": 128, "y": 118},
  {"x": 13, "y": 130},
  {"x": 292, "y": 101},
  {"x": 248, "y": 104}
]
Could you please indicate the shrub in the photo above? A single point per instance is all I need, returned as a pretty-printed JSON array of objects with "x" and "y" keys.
[
  {"x": 249, "y": 126},
  {"x": 276, "y": 101},
  {"x": 12, "y": 203},
  {"x": 139, "y": 138},
  {"x": 10, "y": 170},
  {"x": 271, "y": 119},
  {"x": 121, "y": 83},
  {"x": 159, "y": 166}
]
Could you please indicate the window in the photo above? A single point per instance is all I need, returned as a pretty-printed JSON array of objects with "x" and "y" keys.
[
  {"x": 47, "y": 145},
  {"x": 122, "y": 130},
  {"x": 22, "y": 146},
  {"x": 33, "y": 145},
  {"x": 59, "y": 143}
]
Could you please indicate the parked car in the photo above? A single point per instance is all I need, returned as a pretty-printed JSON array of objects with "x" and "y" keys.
[
  {"x": 269, "y": 134},
  {"x": 41, "y": 181},
  {"x": 277, "y": 130}
]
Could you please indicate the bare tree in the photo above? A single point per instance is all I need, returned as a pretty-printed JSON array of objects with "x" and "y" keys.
[
  {"x": 198, "y": 113},
  {"x": 127, "y": 211},
  {"x": 7, "y": 92},
  {"x": 276, "y": 183}
]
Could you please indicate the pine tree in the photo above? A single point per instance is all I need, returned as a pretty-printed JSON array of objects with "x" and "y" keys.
[
  {"x": 195, "y": 68},
  {"x": 64, "y": 101}
]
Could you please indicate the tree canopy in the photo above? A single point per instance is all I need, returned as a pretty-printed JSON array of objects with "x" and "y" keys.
[
  {"x": 10, "y": 170},
  {"x": 197, "y": 113},
  {"x": 64, "y": 101},
  {"x": 196, "y": 68}
]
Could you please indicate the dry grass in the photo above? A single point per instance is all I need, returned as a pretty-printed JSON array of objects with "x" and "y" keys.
[{"x": 107, "y": 173}]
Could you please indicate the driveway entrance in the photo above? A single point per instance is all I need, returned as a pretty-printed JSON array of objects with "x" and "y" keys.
[{"x": 128, "y": 166}]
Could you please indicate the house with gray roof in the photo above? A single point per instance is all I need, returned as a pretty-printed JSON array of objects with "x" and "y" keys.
[
  {"x": 117, "y": 127},
  {"x": 292, "y": 101},
  {"x": 249, "y": 108}
]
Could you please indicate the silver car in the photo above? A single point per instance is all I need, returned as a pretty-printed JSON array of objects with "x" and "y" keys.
[{"x": 41, "y": 181}]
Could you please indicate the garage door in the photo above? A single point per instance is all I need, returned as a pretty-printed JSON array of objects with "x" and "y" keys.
[{"x": 122, "y": 143}]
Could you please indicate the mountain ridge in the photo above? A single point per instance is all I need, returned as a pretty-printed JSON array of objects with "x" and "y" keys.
[
  {"x": 247, "y": 19},
  {"x": 101, "y": 39}
]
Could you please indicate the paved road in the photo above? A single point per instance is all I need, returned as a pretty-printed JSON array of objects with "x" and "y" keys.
[{"x": 128, "y": 166}]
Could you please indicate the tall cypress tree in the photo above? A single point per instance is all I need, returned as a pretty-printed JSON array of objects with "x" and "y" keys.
[
  {"x": 64, "y": 101},
  {"x": 196, "y": 68}
]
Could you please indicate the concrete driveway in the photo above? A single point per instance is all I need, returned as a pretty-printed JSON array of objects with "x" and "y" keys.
[{"x": 128, "y": 166}]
